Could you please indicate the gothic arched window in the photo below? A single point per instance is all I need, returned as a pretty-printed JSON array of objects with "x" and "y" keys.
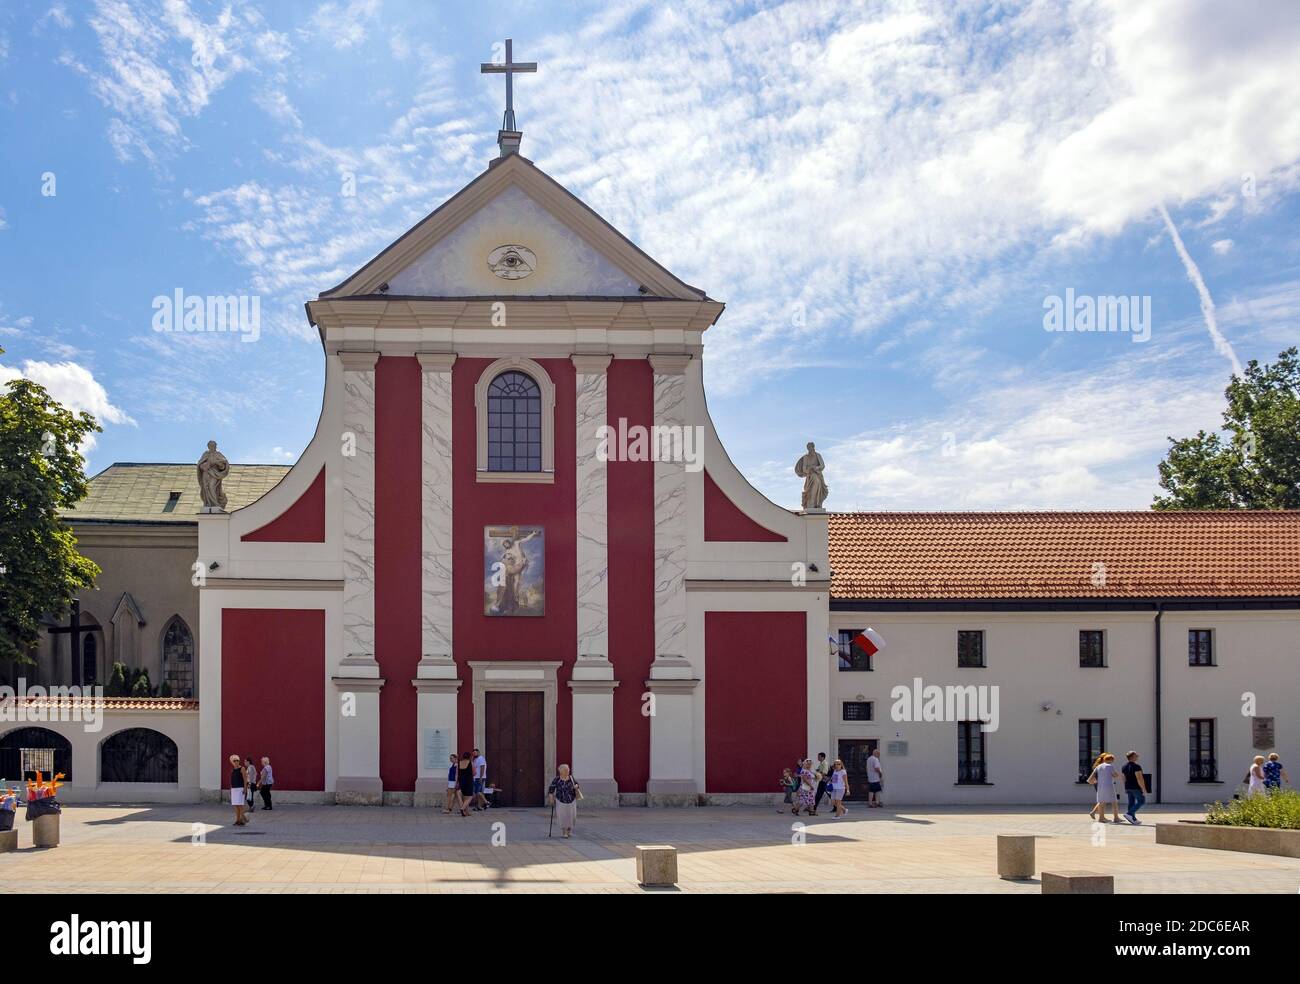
[
  {"x": 89, "y": 660},
  {"x": 514, "y": 436},
  {"x": 178, "y": 659}
]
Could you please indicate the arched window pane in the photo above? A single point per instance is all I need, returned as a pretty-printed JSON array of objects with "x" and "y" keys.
[
  {"x": 138, "y": 755},
  {"x": 178, "y": 660},
  {"x": 514, "y": 423},
  {"x": 26, "y": 751},
  {"x": 89, "y": 660}
]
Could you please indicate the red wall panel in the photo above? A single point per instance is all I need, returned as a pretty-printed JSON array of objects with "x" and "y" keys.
[
  {"x": 553, "y": 636},
  {"x": 303, "y": 522},
  {"x": 755, "y": 698},
  {"x": 725, "y": 522},
  {"x": 273, "y": 692},
  {"x": 631, "y": 487},
  {"x": 397, "y": 564}
]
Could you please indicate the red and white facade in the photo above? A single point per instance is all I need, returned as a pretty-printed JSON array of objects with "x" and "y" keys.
[{"x": 683, "y": 649}]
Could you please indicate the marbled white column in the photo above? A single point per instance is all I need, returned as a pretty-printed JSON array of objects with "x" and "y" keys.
[
  {"x": 670, "y": 511},
  {"x": 359, "y": 504},
  {"x": 593, "y": 541},
  {"x": 435, "y": 505}
]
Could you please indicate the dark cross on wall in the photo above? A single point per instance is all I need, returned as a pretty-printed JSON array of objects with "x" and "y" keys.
[
  {"x": 74, "y": 629},
  {"x": 509, "y": 69}
]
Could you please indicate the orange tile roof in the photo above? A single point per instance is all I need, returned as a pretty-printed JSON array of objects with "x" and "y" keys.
[
  {"x": 113, "y": 703},
  {"x": 1060, "y": 555}
]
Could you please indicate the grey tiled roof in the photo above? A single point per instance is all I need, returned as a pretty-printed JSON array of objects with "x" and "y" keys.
[{"x": 128, "y": 491}]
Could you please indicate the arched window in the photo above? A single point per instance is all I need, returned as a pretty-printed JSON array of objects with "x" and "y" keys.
[
  {"x": 27, "y": 751},
  {"x": 514, "y": 406},
  {"x": 138, "y": 755},
  {"x": 178, "y": 659},
  {"x": 514, "y": 424},
  {"x": 89, "y": 660}
]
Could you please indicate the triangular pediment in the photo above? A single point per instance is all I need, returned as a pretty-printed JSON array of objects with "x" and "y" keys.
[{"x": 513, "y": 231}]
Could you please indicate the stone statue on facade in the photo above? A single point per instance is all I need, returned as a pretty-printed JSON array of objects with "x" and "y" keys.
[
  {"x": 810, "y": 468},
  {"x": 213, "y": 468}
]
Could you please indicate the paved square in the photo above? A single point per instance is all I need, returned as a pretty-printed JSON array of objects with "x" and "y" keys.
[{"x": 357, "y": 849}]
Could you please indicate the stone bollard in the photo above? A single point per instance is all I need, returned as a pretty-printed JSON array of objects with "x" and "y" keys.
[
  {"x": 656, "y": 865},
  {"x": 1077, "y": 883},
  {"x": 1015, "y": 856},
  {"x": 8, "y": 841},
  {"x": 45, "y": 831}
]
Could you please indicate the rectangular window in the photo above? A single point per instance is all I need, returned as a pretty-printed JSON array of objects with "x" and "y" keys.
[
  {"x": 858, "y": 710},
  {"x": 34, "y": 760},
  {"x": 970, "y": 647},
  {"x": 172, "y": 499},
  {"x": 972, "y": 753},
  {"x": 1200, "y": 647},
  {"x": 1203, "y": 765},
  {"x": 1092, "y": 647},
  {"x": 852, "y": 658},
  {"x": 1092, "y": 739}
]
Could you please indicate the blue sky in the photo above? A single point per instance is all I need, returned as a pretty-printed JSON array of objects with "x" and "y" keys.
[{"x": 883, "y": 193}]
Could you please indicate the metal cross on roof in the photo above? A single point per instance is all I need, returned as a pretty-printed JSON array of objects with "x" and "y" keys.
[{"x": 508, "y": 69}]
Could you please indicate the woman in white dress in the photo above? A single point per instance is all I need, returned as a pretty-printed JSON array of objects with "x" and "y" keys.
[
  {"x": 839, "y": 788},
  {"x": 1103, "y": 777},
  {"x": 237, "y": 798},
  {"x": 1256, "y": 777}
]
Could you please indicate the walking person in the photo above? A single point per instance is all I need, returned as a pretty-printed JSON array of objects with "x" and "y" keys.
[
  {"x": 1135, "y": 786},
  {"x": 465, "y": 783},
  {"x": 265, "y": 780},
  {"x": 823, "y": 772},
  {"x": 806, "y": 799},
  {"x": 789, "y": 785},
  {"x": 875, "y": 778},
  {"x": 480, "y": 780},
  {"x": 237, "y": 793},
  {"x": 1256, "y": 777},
  {"x": 250, "y": 784},
  {"x": 839, "y": 788},
  {"x": 1274, "y": 772},
  {"x": 452, "y": 783},
  {"x": 564, "y": 794},
  {"x": 1103, "y": 777}
]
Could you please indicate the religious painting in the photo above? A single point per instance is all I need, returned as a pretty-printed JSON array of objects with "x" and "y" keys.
[{"x": 514, "y": 570}]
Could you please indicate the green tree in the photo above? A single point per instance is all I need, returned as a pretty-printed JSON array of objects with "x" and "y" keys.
[
  {"x": 41, "y": 472},
  {"x": 1255, "y": 462}
]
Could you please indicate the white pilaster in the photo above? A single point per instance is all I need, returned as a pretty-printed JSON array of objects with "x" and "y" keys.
[
  {"x": 357, "y": 684},
  {"x": 435, "y": 504},
  {"x": 673, "y": 679},
  {"x": 592, "y": 519},
  {"x": 358, "y": 447}
]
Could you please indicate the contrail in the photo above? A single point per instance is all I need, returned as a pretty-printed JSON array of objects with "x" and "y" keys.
[{"x": 1221, "y": 344}]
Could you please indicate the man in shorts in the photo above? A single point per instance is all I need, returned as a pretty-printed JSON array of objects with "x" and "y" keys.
[
  {"x": 875, "y": 778},
  {"x": 480, "y": 780}
]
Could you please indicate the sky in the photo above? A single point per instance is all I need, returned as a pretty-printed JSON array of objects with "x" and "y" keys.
[{"x": 891, "y": 198}]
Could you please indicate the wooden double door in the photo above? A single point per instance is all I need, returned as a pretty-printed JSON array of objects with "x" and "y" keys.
[
  {"x": 854, "y": 752},
  {"x": 514, "y": 742}
]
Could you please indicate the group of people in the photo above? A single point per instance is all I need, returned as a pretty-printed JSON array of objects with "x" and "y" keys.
[
  {"x": 1265, "y": 774},
  {"x": 806, "y": 784},
  {"x": 467, "y": 787},
  {"x": 246, "y": 778}
]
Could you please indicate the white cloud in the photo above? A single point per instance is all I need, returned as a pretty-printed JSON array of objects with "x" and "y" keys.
[
  {"x": 344, "y": 25},
  {"x": 72, "y": 385},
  {"x": 1221, "y": 344},
  {"x": 1221, "y": 247}
]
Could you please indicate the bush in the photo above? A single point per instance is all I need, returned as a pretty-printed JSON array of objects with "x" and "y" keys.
[
  {"x": 140, "y": 686},
  {"x": 1278, "y": 809},
  {"x": 117, "y": 686}
]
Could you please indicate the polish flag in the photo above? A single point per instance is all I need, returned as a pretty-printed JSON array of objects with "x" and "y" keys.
[{"x": 869, "y": 641}]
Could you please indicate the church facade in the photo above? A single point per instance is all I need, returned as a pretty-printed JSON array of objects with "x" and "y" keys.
[{"x": 515, "y": 529}]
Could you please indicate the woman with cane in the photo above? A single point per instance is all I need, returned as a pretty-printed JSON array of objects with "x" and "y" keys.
[{"x": 564, "y": 795}]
